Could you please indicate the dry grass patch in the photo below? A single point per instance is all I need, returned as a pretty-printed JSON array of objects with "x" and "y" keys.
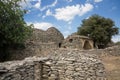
[{"x": 112, "y": 65}]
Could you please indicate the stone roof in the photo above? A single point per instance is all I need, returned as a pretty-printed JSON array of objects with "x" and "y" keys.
[
  {"x": 77, "y": 36},
  {"x": 50, "y": 35}
]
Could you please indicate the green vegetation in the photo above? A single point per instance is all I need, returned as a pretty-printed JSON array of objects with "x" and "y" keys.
[
  {"x": 98, "y": 28},
  {"x": 117, "y": 43},
  {"x": 13, "y": 29}
]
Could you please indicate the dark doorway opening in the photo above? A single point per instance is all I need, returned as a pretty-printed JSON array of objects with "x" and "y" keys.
[
  {"x": 87, "y": 45},
  {"x": 101, "y": 46},
  {"x": 70, "y": 40},
  {"x": 60, "y": 45}
]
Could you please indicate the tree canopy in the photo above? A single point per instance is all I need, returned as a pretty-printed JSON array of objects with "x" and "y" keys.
[
  {"x": 13, "y": 29},
  {"x": 99, "y": 28}
]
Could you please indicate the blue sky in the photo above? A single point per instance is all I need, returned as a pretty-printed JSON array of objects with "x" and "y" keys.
[{"x": 66, "y": 15}]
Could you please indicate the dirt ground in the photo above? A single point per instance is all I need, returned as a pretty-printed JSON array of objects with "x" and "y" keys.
[{"x": 112, "y": 65}]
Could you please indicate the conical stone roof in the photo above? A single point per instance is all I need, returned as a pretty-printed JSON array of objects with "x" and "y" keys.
[{"x": 50, "y": 35}]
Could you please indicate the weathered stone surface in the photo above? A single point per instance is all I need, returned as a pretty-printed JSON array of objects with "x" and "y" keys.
[
  {"x": 74, "y": 66},
  {"x": 41, "y": 42},
  {"x": 76, "y": 41},
  {"x": 50, "y": 35}
]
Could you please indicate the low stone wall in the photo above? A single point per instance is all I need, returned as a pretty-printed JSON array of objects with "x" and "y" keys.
[
  {"x": 28, "y": 69},
  {"x": 110, "y": 51},
  {"x": 114, "y": 51},
  {"x": 32, "y": 49},
  {"x": 70, "y": 66},
  {"x": 73, "y": 65}
]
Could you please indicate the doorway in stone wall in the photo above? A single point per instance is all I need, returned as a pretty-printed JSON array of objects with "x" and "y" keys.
[
  {"x": 59, "y": 45},
  {"x": 87, "y": 45}
]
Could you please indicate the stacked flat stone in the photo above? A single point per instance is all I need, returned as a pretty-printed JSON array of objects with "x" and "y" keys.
[
  {"x": 59, "y": 65},
  {"x": 50, "y": 35},
  {"x": 39, "y": 42},
  {"x": 73, "y": 65}
]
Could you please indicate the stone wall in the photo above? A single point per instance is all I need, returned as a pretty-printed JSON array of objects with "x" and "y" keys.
[
  {"x": 32, "y": 49},
  {"x": 39, "y": 43},
  {"x": 76, "y": 41},
  {"x": 113, "y": 51},
  {"x": 70, "y": 66},
  {"x": 28, "y": 69},
  {"x": 45, "y": 41},
  {"x": 109, "y": 51},
  {"x": 50, "y": 35}
]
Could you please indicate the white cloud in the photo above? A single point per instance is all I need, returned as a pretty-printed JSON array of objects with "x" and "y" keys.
[
  {"x": 116, "y": 38},
  {"x": 49, "y": 6},
  {"x": 28, "y": 4},
  {"x": 97, "y": 1},
  {"x": 48, "y": 12},
  {"x": 25, "y": 3},
  {"x": 38, "y": 4},
  {"x": 93, "y": 1},
  {"x": 69, "y": 12},
  {"x": 43, "y": 16},
  {"x": 41, "y": 25},
  {"x": 85, "y": 8},
  {"x": 54, "y": 3}
]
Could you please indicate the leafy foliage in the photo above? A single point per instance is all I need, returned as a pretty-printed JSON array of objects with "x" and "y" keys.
[
  {"x": 98, "y": 28},
  {"x": 13, "y": 29}
]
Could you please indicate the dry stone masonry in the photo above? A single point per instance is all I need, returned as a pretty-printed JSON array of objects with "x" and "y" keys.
[
  {"x": 50, "y": 35},
  {"x": 39, "y": 42},
  {"x": 60, "y": 65},
  {"x": 76, "y": 41},
  {"x": 44, "y": 41}
]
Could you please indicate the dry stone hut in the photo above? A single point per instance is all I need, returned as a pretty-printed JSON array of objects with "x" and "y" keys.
[
  {"x": 51, "y": 36},
  {"x": 40, "y": 42},
  {"x": 77, "y": 41}
]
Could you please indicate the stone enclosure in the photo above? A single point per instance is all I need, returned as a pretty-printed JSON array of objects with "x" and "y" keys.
[{"x": 69, "y": 65}]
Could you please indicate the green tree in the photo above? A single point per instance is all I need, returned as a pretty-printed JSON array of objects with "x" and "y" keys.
[
  {"x": 98, "y": 28},
  {"x": 13, "y": 29}
]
